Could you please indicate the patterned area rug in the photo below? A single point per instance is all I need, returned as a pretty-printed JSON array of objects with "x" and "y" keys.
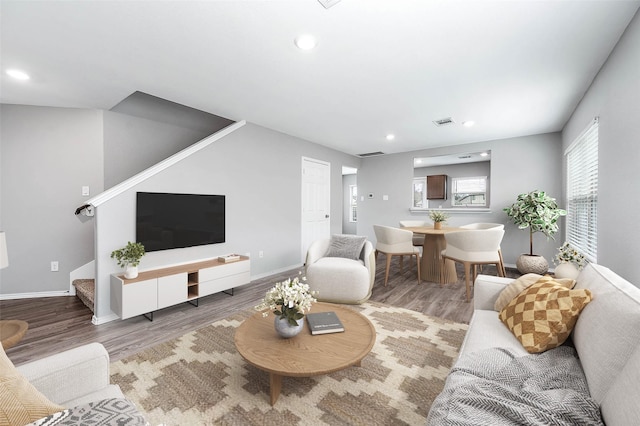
[{"x": 200, "y": 379}]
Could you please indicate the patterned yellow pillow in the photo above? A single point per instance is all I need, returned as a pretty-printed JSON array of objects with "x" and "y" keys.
[
  {"x": 20, "y": 402},
  {"x": 527, "y": 280},
  {"x": 543, "y": 315}
]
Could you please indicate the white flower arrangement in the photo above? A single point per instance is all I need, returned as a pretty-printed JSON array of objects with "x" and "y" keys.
[
  {"x": 289, "y": 299},
  {"x": 566, "y": 253}
]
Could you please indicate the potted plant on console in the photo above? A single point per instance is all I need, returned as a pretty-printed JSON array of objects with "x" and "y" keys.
[
  {"x": 538, "y": 212},
  {"x": 569, "y": 262},
  {"x": 128, "y": 257}
]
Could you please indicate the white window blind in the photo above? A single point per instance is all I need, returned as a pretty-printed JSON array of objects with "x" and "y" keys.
[
  {"x": 469, "y": 191},
  {"x": 582, "y": 192}
]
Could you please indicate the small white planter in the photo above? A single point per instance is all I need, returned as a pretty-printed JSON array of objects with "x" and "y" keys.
[
  {"x": 131, "y": 272},
  {"x": 566, "y": 270}
]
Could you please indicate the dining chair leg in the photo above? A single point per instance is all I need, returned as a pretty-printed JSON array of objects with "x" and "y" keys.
[
  {"x": 500, "y": 269},
  {"x": 504, "y": 271},
  {"x": 467, "y": 272},
  {"x": 386, "y": 275}
]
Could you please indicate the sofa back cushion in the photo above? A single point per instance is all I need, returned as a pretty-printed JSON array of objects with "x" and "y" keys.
[{"x": 608, "y": 329}]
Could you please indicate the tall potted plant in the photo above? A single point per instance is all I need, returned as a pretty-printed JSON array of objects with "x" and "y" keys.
[
  {"x": 128, "y": 257},
  {"x": 540, "y": 213}
]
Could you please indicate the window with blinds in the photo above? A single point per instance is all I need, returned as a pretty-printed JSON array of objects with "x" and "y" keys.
[
  {"x": 469, "y": 191},
  {"x": 582, "y": 192}
]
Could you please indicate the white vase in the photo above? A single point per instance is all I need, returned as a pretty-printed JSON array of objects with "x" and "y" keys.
[
  {"x": 287, "y": 330},
  {"x": 131, "y": 272},
  {"x": 566, "y": 270}
]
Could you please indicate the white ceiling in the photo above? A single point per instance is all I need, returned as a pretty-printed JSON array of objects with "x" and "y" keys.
[{"x": 381, "y": 66}]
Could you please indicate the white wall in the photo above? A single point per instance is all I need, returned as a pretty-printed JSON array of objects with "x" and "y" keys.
[
  {"x": 517, "y": 165},
  {"x": 614, "y": 96}
]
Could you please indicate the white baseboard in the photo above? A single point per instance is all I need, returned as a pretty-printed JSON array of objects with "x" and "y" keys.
[
  {"x": 34, "y": 295},
  {"x": 277, "y": 271},
  {"x": 102, "y": 320}
]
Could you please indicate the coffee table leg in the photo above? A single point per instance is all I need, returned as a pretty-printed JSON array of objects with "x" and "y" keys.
[{"x": 275, "y": 384}]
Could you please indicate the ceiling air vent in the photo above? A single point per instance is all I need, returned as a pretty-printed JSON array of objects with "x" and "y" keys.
[
  {"x": 443, "y": 122},
  {"x": 371, "y": 154}
]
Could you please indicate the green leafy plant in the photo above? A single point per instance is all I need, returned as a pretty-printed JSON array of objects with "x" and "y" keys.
[
  {"x": 288, "y": 299},
  {"x": 536, "y": 211},
  {"x": 128, "y": 255},
  {"x": 438, "y": 216}
]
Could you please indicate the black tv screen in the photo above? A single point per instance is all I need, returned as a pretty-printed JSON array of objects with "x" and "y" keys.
[{"x": 167, "y": 221}]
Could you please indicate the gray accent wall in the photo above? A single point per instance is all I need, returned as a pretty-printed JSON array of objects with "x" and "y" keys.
[
  {"x": 259, "y": 172},
  {"x": 517, "y": 165},
  {"x": 48, "y": 155},
  {"x": 614, "y": 96}
]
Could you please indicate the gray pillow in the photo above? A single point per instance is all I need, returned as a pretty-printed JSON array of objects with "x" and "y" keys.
[{"x": 348, "y": 246}]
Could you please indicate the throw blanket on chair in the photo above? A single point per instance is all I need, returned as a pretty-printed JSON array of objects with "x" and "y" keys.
[{"x": 494, "y": 387}]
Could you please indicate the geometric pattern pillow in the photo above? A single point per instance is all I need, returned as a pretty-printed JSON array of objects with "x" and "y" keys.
[
  {"x": 543, "y": 315},
  {"x": 516, "y": 287}
]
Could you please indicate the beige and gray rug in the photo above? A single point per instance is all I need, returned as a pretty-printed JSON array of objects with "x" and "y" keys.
[{"x": 199, "y": 378}]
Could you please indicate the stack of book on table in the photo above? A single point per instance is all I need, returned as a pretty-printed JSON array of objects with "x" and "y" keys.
[{"x": 324, "y": 323}]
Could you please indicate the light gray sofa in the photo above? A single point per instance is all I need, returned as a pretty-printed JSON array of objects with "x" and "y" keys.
[{"x": 606, "y": 338}]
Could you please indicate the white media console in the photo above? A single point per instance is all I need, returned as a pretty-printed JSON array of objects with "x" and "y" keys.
[{"x": 159, "y": 288}]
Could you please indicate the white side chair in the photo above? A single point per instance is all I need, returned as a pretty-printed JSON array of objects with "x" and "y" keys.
[
  {"x": 338, "y": 279},
  {"x": 480, "y": 225},
  {"x": 395, "y": 242},
  {"x": 472, "y": 248},
  {"x": 418, "y": 239}
]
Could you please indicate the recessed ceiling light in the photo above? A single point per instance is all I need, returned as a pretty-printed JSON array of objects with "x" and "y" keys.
[
  {"x": 391, "y": 137},
  {"x": 484, "y": 154},
  {"x": 306, "y": 42},
  {"x": 18, "y": 75},
  {"x": 468, "y": 123}
]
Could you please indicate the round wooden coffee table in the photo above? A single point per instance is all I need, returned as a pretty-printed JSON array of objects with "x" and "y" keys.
[
  {"x": 304, "y": 355},
  {"x": 11, "y": 332}
]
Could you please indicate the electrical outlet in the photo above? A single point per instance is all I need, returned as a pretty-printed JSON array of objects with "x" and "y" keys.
[
  {"x": 260, "y": 254},
  {"x": 54, "y": 266}
]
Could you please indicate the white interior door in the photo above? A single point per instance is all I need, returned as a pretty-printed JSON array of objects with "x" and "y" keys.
[{"x": 316, "y": 202}]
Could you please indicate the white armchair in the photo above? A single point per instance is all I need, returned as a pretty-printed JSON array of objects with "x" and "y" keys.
[{"x": 340, "y": 279}]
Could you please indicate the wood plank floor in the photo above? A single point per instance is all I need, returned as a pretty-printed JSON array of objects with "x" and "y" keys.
[{"x": 60, "y": 323}]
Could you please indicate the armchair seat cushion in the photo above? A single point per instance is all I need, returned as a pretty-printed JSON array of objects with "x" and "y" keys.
[{"x": 339, "y": 279}]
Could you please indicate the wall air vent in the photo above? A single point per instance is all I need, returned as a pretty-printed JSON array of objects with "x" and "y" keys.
[
  {"x": 443, "y": 122},
  {"x": 371, "y": 154}
]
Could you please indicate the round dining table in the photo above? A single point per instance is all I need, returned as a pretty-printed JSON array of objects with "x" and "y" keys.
[{"x": 431, "y": 263}]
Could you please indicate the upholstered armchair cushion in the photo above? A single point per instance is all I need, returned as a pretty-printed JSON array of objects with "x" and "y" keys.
[{"x": 338, "y": 279}]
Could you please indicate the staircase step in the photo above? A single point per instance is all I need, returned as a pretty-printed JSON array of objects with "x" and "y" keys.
[{"x": 85, "y": 290}]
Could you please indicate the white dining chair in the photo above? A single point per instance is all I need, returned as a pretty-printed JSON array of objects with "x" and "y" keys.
[
  {"x": 395, "y": 242},
  {"x": 471, "y": 248},
  {"x": 418, "y": 239},
  {"x": 481, "y": 225}
]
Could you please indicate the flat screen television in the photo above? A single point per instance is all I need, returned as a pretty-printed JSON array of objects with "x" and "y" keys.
[{"x": 168, "y": 221}]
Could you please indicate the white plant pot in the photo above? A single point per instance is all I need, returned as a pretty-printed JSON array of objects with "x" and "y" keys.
[
  {"x": 131, "y": 272},
  {"x": 566, "y": 270}
]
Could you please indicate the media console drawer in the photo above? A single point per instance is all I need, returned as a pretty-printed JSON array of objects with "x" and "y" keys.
[{"x": 223, "y": 270}]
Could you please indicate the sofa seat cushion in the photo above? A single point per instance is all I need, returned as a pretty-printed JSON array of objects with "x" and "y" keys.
[
  {"x": 543, "y": 315},
  {"x": 20, "y": 402},
  {"x": 608, "y": 330},
  {"x": 486, "y": 331}
]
